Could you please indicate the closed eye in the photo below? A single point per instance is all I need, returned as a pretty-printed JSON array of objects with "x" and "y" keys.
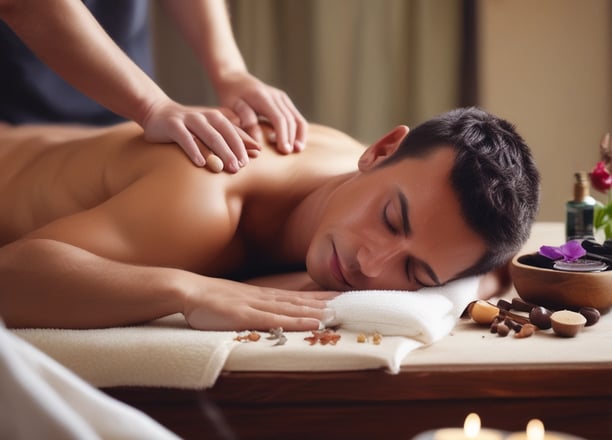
[
  {"x": 411, "y": 273},
  {"x": 387, "y": 220}
]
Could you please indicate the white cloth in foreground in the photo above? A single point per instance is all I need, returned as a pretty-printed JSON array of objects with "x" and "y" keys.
[
  {"x": 43, "y": 400},
  {"x": 426, "y": 315}
]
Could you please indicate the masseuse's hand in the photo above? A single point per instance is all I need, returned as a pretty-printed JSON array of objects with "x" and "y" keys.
[
  {"x": 250, "y": 99},
  {"x": 227, "y": 305},
  {"x": 168, "y": 121}
]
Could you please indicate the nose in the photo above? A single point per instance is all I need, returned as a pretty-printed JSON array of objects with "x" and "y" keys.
[{"x": 373, "y": 259}]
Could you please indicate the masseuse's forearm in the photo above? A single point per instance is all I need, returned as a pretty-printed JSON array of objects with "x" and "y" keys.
[
  {"x": 46, "y": 283},
  {"x": 65, "y": 36},
  {"x": 206, "y": 26}
]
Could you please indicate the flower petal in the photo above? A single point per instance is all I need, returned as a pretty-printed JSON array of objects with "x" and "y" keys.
[
  {"x": 552, "y": 252},
  {"x": 601, "y": 179},
  {"x": 572, "y": 250}
]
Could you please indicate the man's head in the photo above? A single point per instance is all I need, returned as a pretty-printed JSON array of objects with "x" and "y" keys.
[{"x": 454, "y": 197}]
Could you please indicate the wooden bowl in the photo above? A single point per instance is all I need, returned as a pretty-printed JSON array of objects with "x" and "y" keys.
[{"x": 558, "y": 289}]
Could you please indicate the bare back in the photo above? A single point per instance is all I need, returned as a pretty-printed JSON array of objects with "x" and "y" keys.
[{"x": 108, "y": 191}]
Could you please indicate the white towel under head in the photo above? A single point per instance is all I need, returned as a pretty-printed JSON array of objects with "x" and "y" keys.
[{"x": 426, "y": 315}]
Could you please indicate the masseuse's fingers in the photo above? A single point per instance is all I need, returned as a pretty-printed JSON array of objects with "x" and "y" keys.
[
  {"x": 221, "y": 136},
  {"x": 172, "y": 122},
  {"x": 251, "y": 98},
  {"x": 213, "y": 162}
]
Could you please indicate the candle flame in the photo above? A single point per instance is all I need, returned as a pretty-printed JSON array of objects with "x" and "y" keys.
[
  {"x": 535, "y": 430},
  {"x": 471, "y": 426}
]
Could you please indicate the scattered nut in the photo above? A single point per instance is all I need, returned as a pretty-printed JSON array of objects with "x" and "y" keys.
[
  {"x": 494, "y": 325},
  {"x": 482, "y": 312},
  {"x": 526, "y": 331},
  {"x": 376, "y": 338},
  {"x": 513, "y": 325},
  {"x": 591, "y": 314},
  {"x": 567, "y": 323},
  {"x": 540, "y": 317},
  {"x": 361, "y": 338},
  {"x": 503, "y": 329}
]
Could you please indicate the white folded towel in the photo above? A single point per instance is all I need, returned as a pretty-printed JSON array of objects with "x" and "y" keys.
[{"x": 426, "y": 315}]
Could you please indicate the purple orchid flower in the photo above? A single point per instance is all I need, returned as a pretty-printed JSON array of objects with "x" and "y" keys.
[{"x": 570, "y": 251}]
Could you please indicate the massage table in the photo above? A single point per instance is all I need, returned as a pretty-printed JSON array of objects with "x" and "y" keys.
[{"x": 209, "y": 385}]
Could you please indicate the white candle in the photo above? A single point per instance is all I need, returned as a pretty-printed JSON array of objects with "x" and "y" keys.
[
  {"x": 471, "y": 431},
  {"x": 535, "y": 431}
]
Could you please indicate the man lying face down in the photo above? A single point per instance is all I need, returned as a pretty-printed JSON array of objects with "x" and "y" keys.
[{"x": 104, "y": 229}]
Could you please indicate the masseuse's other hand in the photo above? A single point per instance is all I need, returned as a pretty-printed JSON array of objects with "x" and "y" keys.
[
  {"x": 250, "y": 99},
  {"x": 227, "y": 305},
  {"x": 169, "y": 121}
]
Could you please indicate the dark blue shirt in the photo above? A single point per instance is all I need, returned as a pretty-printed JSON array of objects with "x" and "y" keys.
[{"x": 31, "y": 92}]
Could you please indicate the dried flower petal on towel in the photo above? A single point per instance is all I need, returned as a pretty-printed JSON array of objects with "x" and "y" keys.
[
  {"x": 570, "y": 251},
  {"x": 277, "y": 333},
  {"x": 323, "y": 337},
  {"x": 251, "y": 336}
]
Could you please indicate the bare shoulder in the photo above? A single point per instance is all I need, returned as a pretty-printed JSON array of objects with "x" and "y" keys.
[{"x": 324, "y": 135}]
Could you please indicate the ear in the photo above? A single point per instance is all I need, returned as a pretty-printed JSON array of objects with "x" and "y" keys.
[{"x": 383, "y": 148}]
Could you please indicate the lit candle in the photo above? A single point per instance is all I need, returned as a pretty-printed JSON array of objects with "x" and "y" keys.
[
  {"x": 471, "y": 431},
  {"x": 535, "y": 431}
]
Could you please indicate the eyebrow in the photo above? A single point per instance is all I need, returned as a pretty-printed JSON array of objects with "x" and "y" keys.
[{"x": 408, "y": 230}]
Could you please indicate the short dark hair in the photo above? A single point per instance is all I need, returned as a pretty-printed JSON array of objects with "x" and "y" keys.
[{"x": 494, "y": 175}]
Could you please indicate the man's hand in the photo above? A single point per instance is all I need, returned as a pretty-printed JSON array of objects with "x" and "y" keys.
[
  {"x": 250, "y": 99},
  {"x": 168, "y": 121},
  {"x": 227, "y": 305}
]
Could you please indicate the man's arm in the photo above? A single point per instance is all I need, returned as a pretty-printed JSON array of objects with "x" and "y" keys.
[
  {"x": 66, "y": 37},
  {"x": 47, "y": 283}
]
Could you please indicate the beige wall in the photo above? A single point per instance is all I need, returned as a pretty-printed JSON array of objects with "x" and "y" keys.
[{"x": 546, "y": 65}]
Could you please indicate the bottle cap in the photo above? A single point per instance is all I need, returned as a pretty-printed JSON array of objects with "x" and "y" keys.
[{"x": 581, "y": 186}]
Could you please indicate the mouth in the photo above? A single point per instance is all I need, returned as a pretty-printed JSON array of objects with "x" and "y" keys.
[{"x": 336, "y": 268}]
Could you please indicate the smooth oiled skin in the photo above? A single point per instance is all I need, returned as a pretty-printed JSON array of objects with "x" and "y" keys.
[{"x": 144, "y": 233}]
